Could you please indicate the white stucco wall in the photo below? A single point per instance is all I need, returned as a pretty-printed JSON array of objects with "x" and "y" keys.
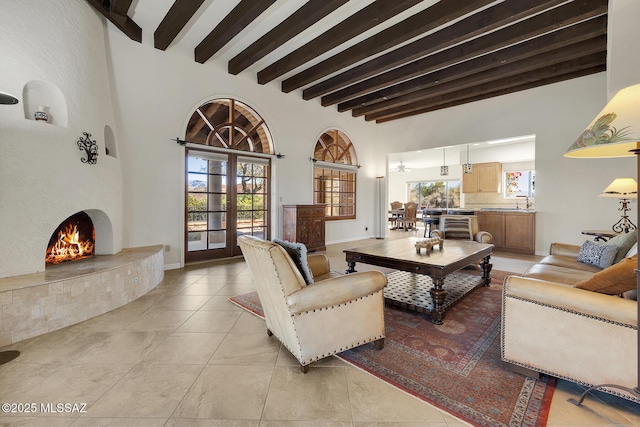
[
  {"x": 142, "y": 191},
  {"x": 42, "y": 180}
]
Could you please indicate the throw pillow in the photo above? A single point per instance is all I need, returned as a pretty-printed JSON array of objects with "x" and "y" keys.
[
  {"x": 624, "y": 242},
  {"x": 457, "y": 228},
  {"x": 614, "y": 280},
  {"x": 597, "y": 254},
  {"x": 298, "y": 253}
]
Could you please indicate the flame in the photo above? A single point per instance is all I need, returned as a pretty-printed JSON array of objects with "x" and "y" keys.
[{"x": 69, "y": 247}]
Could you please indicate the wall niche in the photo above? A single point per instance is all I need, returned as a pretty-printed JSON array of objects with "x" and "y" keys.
[
  {"x": 45, "y": 97},
  {"x": 109, "y": 142}
]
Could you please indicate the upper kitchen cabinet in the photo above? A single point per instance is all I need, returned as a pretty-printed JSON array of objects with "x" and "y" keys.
[{"x": 485, "y": 178}]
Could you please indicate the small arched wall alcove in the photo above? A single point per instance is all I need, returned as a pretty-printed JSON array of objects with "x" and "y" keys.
[{"x": 40, "y": 93}]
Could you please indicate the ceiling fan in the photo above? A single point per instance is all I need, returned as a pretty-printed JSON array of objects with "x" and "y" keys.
[{"x": 402, "y": 169}]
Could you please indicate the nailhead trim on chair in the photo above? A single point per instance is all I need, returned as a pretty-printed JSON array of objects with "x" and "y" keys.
[{"x": 335, "y": 306}]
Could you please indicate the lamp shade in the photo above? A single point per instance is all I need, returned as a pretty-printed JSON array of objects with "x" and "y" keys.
[
  {"x": 615, "y": 131},
  {"x": 621, "y": 188}
]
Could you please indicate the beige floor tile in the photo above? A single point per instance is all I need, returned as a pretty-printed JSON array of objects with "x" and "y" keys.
[
  {"x": 186, "y": 349},
  {"x": 249, "y": 323},
  {"x": 210, "y": 321},
  {"x": 119, "y": 422},
  {"x": 117, "y": 347},
  {"x": 75, "y": 384},
  {"x": 375, "y": 400},
  {"x": 247, "y": 349},
  {"x": 221, "y": 303},
  {"x": 212, "y": 423},
  {"x": 17, "y": 378},
  {"x": 204, "y": 288},
  {"x": 159, "y": 320},
  {"x": 148, "y": 390},
  {"x": 227, "y": 392},
  {"x": 182, "y": 302},
  {"x": 320, "y": 394},
  {"x": 58, "y": 347},
  {"x": 35, "y": 422},
  {"x": 281, "y": 423},
  {"x": 239, "y": 288}
]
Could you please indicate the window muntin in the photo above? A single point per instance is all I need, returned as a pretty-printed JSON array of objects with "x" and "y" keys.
[
  {"x": 435, "y": 194},
  {"x": 334, "y": 179},
  {"x": 228, "y": 123}
]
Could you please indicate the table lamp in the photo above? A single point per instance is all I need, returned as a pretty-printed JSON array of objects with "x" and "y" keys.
[
  {"x": 615, "y": 132},
  {"x": 623, "y": 189}
]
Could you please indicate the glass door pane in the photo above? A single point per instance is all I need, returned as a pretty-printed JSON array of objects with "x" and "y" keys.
[
  {"x": 252, "y": 199},
  {"x": 207, "y": 201}
]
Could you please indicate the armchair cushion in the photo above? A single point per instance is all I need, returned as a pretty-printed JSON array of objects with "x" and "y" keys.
[
  {"x": 336, "y": 291},
  {"x": 614, "y": 280},
  {"x": 597, "y": 254},
  {"x": 298, "y": 253}
]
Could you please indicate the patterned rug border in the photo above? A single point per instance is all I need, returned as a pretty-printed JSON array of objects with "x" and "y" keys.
[{"x": 465, "y": 414}]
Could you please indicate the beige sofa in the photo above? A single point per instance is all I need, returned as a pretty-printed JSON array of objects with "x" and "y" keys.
[{"x": 550, "y": 327}]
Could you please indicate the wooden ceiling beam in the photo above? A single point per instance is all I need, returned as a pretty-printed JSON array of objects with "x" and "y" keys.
[
  {"x": 232, "y": 24},
  {"x": 438, "y": 69},
  {"x": 502, "y": 71},
  {"x": 555, "y": 79},
  {"x": 549, "y": 42},
  {"x": 422, "y": 22},
  {"x": 174, "y": 21},
  {"x": 363, "y": 20},
  {"x": 123, "y": 23},
  {"x": 492, "y": 18},
  {"x": 121, "y": 7},
  {"x": 310, "y": 13},
  {"x": 484, "y": 89}
]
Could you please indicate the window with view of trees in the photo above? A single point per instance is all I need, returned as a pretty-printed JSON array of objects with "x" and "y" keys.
[
  {"x": 334, "y": 175},
  {"x": 435, "y": 194}
]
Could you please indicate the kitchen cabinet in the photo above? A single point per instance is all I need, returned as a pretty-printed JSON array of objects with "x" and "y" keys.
[
  {"x": 485, "y": 178},
  {"x": 512, "y": 231},
  {"x": 304, "y": 224}
]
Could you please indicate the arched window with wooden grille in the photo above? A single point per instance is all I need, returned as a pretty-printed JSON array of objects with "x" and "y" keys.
[{"x": 334, "y": 175}]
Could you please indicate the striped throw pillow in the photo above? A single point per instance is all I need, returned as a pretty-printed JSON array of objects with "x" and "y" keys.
[{"x": 457, "y": 228}]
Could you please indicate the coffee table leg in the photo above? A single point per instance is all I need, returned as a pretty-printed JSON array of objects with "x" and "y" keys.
[
  {"x": 437, "y": 296},
  {"x": 486, "y": 270},
  {"x": 351, "y": 267}
]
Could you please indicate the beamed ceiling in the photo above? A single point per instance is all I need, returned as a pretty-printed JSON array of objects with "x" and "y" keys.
[{"x": 385, "y": 59}]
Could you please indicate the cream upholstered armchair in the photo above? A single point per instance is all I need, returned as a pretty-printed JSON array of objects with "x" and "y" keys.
[
  {"x": 461, "y": 227},
  {"x": 320, "y": 319}
]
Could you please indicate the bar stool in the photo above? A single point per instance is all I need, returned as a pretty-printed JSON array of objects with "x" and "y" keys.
[{"x": 430, "y": 218}]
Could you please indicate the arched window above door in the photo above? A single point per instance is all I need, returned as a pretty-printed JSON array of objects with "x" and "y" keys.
[{"x": 229, "y": 123}]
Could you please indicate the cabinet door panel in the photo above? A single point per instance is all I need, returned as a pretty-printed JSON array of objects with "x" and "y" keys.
[
  {"x": 492, "y": 222},
  {"x": 520, "y": 231}
]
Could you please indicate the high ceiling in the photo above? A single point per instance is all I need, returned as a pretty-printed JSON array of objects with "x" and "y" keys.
[{"x": 385, "y": 59}]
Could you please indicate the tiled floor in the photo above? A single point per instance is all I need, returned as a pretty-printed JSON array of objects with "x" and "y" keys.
[{"x": 182, "y": 355}]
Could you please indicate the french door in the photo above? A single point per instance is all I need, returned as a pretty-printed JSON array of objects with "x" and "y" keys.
[{"x": 227, "y": 195}]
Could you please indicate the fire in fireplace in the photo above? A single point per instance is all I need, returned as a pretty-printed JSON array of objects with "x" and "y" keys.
[{"x": 73, "y": 240}]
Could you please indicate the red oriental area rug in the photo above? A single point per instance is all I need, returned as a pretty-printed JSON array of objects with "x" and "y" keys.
[{"x": 455, "y": 366}]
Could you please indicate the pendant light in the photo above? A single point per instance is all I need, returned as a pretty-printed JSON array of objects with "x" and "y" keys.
[
  {"x": 467, "y": 167},
  {"x": 444, "y": 169}
]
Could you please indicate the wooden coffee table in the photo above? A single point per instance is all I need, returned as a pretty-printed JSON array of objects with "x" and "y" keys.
[{"x": 401, "y": 254}]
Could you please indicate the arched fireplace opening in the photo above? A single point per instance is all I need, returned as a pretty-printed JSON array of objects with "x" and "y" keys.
[{"x": 73, "y": 240}]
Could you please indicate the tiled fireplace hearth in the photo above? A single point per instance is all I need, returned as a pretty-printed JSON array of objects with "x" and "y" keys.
[{"x": 71, "y": 292}]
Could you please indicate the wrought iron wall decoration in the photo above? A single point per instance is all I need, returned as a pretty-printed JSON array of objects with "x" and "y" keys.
[{"x": 90, "y": 147}]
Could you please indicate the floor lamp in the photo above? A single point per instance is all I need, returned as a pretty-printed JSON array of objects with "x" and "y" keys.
[
  {"x": 7, "y": 356},
  {"x": 615, "y": 132}
]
